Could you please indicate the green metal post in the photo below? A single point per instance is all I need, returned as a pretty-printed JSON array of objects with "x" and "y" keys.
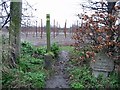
[{"x": 48, "y": 31}]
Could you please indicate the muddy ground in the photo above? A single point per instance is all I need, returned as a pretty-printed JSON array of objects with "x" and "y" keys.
[{"x": 60, "y": 77}]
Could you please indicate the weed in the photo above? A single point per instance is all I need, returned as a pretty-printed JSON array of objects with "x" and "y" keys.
[
  {"x": 81, "y": 77},
  {"x": 55, "y": 49},
  {"x": 30, "y": 72}
]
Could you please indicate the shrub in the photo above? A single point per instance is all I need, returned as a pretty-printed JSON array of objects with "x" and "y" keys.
[
  {"x": 29, "y": 72},
  {"x": 100, "y": 32},
  {"x": 55, "y": 49},
  {"x": 28, "y": 63},
  {"x": 27, "y": 48},
  {"x": 81, "y": 77},
  {"x": 35, "y": 79}
]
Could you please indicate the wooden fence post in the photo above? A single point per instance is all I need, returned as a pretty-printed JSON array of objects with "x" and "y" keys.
[
  {"x": 65, "y": 30},
  {"x": 41, "y": 29},
  {"x": 48, "y": 31},
  {"x": 54, "y": 30},
  {"x": 14, "y": 31},
  {"x": 36, "y": 29}
]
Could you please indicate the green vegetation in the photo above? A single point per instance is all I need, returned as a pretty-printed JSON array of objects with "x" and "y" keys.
[
  {"x": 30, "y": 70},
  {"x": 0, "y": 46},
  {"x": 5, "y": 48},
  {"x": 80, "y": 75},
  {"x": 55, "y": 49},
  {"x": 29, "y": 73},
  {"x": 67, "y": 48},
  {"x": 0, "y": 39}
]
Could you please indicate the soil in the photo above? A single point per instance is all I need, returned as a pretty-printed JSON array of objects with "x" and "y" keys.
[
  {"x": 38, "y": 41},
  {"x": 60, "y": 78}
]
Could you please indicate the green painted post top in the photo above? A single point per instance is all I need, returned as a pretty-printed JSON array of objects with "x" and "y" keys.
[
  {"x": 48, "y": 17},
  {"x": 16, "y": 0},
  {"x": 48, "y": 31}
]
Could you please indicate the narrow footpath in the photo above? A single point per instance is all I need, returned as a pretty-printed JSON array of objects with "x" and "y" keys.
[{"x": 60, "y": 78}]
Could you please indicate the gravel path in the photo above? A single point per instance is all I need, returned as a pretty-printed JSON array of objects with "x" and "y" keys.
[{"x": 59, "y": 79}]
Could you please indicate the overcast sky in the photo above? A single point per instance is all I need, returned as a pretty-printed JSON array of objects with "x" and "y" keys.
[{"x": 60, "y": 10}]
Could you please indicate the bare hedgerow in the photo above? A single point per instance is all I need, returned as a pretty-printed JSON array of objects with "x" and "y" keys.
[{"x": 99, "y": 32}]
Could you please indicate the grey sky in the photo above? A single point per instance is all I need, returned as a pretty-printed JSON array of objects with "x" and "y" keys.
[{"x": 60, "y": 10}]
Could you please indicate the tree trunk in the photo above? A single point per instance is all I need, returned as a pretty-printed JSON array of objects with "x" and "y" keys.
[{"x": 14, "y": 31}]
